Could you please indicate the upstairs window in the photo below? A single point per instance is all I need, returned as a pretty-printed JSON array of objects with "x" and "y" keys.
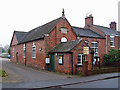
[
  {"x": 112, "y": 41},
  {"x": 63, "y": 39},
  {"x": 80, "y": 59},
  {"x": 13, "y": 52},
  {"x": 24, "y": 52},
  {"x": 64, "y": 30},
  {"x": 33, "y": 51},
  {"x": 95, "y": 48}
]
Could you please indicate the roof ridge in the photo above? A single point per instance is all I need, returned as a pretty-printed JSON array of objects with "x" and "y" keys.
[
  {"x": 20, "y": 31},
  {"x": 103, "y": 27}
]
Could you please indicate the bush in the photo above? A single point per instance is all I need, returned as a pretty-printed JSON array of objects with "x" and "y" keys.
[{"x": 113, "y": 56}]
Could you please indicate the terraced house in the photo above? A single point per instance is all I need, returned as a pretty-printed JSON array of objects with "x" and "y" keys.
[{"x": 58, "y": 46}]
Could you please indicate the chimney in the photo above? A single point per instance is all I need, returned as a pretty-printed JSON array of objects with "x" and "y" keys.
[
  {"x": 113, "y": 25},
  {"x": 89, "y": 20}
]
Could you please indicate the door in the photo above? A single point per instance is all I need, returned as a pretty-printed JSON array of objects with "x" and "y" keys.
[
  {"x": 52, "y": 62},
  {"x": 17, "y": 57}
]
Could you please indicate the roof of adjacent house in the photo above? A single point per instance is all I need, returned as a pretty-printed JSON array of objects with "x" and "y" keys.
[
  {"x": 86, "y": 32},
  {"x": 20, "y": 35},
  {"x": 65, "y": 46},
  {"x": 39, "y": 32},
  {"x": 119, "y": 33},
  {"x": 106, "y": 30}
]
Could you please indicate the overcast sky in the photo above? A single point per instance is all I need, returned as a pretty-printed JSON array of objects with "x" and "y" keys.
[{"x": 24, "y": 15}]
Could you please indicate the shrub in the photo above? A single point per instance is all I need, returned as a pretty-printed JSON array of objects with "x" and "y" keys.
[{"x": 113, "y": 56}]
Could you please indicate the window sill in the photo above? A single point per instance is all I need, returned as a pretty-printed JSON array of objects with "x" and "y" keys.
[
  {"x": 112, "y": 46},
  {"x": 79, "y": 65},
  {"x": 60, "y": 63},
  {"x": 33, "y": 57}
]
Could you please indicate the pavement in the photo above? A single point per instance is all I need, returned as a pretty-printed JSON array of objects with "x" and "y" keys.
[{"x": 25, "y": 77}]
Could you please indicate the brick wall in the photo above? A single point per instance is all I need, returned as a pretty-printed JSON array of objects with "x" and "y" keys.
[
  {"x": 67, "y": 63},
  {"x": 101, "y": 45},
  {"x": 39, "y": 61},
  {"x": 116, "y": 43},
  {"x": 19, "y": 49},
  {"x": 56, "y": 35},
  {"x": 14, "y": 40},
  {"x": 79, "y": 50}
]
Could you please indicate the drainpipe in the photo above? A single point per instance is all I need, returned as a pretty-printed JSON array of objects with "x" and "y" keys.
[
  {"x": 72, "y": 63},
  {"x": 106, "y": 42}
]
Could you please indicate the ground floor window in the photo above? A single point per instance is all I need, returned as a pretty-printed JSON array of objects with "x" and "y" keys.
[
  {"x": 60, "y": 59},
  {"x": 24, "y": 52},
  {"x": 13, "y": 52},
  {"x": 80, "y": 59},
  {"x": 33, "y": 51}
]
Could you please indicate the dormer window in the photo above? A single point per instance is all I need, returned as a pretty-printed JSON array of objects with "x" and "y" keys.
[
  {"x": 63, "y": 39},
  {"x": 64, "y": 30}
]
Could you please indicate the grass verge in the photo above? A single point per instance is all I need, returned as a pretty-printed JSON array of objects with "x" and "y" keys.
[{"x": 3, "y": 73}]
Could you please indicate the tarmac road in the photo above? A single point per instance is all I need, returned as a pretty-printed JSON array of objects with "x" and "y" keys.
[
  {"x": 26, "y": 77},
  {"x": 18, "y": 73}
]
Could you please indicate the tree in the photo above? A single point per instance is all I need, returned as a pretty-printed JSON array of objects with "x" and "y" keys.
[
  {"x": 9, "y": 50},
  {"x": 113, "y": 56}
]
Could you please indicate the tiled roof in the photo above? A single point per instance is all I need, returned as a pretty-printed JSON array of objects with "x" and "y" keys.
[
  {"x": 86, "y": 32},
  {"x": 39, "y": 32},
  {"x": 65, "y": 46},
  {"x": 106, "y": 30},
  {"x": 20, "y": 35}
]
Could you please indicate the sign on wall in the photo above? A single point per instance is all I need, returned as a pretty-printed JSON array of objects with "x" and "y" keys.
[
  {"x": 47, "y": 60},
  {"x": 85, "y": 50},
  {"x": 60, "y": 60}
]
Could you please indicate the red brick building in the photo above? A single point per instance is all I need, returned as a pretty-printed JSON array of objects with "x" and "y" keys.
[
  {"x": 112, "y": 36},
  {"x": 57, "y": 46}
]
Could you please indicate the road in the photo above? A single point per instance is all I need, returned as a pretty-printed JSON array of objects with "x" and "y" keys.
[
  {"x": 20, "y": 76},
  {"x": 109, "y": 83},
  {"x": 19, "y": 73}
]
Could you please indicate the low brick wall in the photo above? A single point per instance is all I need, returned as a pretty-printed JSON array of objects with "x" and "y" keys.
[{"x": 101, "y": 71}]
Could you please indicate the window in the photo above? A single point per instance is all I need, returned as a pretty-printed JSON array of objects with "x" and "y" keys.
[
  {"x": 87, "y": 42},
  {"x": 95, "y": 48},
  {"x": 60, "y": 59},
  {"x": 33, "y": 51},
  {"x": 112, "y": 41},
  {"x": 24, "y": 52},
  {"x": 64, "y": 30},
  {"x": 13, "y": 52},
  {"x": 80, "y": 59},
  {"x": 63, "y": 39}
]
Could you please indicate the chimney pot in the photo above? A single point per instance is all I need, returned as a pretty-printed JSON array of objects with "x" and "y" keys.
[
  {"x": 113, "y": 25},
  {"x": 88, "y": 21}
]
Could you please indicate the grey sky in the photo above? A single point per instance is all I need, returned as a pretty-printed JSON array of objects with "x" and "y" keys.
[{"x": 24, "y": 15}]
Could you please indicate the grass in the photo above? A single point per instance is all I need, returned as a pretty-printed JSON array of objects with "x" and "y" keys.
[{"x": 3, "y": 73}]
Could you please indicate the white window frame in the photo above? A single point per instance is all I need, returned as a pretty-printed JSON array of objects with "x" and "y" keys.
[
  {"x": 63, "y": 39},
  {"x": 112, "y": 41},
  {"x": 13, "y": 52},
  {"x": 24, "y": 52},
  {"x": 86, "y": 42},
  {"x": 33, "y": 51},
  {"x": 94, "y": 48},
  {"x": 81, "y": 59},
  {"x": 60, "y": 60},
  {"x": 64, "y": 30}
]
